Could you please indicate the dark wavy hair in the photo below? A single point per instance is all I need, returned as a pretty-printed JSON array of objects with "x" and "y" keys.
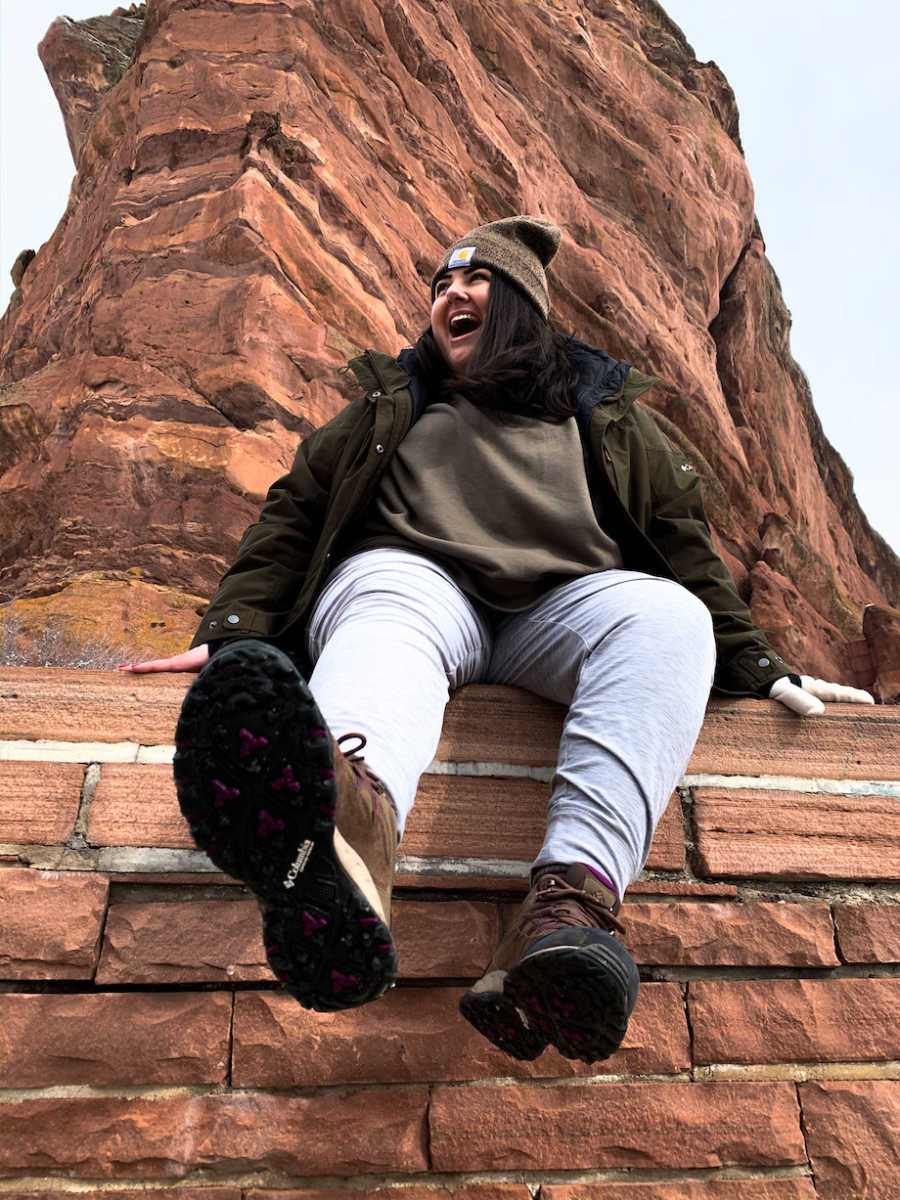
[{"x": 518, "y": 366}]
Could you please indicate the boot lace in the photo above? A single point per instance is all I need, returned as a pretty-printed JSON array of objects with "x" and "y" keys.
[
  {"x": 362, "y": 775},
  {"x": 558, "y": 903}
]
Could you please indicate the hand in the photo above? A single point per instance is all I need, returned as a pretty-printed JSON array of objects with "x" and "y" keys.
[
  {"x": 191, "y": 660},
  {"x": 807, "y": 700}
]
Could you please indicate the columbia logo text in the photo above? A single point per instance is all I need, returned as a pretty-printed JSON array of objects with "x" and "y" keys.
[{"x": 299, "y": 864}]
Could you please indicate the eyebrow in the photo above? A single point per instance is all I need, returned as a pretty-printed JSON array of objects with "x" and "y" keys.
[{"x": 470, "y": 270}]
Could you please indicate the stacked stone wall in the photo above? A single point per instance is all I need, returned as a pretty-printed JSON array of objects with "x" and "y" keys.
[{"x": 146, "y": 1050}]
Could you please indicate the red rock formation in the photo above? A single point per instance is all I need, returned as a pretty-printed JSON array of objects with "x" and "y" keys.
[
  {"x": 881, "y": 629},
  {"x": 263, "y": 189}
]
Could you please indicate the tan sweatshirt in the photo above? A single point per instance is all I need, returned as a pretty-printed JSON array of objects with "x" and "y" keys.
[{"x": 501, "y": 501}]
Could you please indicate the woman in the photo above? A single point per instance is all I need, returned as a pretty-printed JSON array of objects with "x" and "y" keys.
[{"x": 497, "y": 507}]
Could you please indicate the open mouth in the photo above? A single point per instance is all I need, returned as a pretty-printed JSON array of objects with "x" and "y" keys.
[{"x": 461, "y": 324}]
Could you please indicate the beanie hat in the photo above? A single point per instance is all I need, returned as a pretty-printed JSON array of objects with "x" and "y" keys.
[{"x": 516, "y": 247}]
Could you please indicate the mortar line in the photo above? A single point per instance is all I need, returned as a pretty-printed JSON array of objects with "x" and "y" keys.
[{"x": 531, "y": 1178}]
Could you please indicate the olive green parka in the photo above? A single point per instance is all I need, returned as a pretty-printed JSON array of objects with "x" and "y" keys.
[{"x": 645, "y": 494}]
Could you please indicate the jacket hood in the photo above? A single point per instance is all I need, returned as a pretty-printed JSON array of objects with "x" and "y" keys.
[
  {"x": 604, "y": 380},
  {"x": 601, "y": 379},
  {"x": 410, "y": 364}
]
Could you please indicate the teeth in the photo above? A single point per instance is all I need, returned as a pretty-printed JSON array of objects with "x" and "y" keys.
[{"x": 463, "y": 323}]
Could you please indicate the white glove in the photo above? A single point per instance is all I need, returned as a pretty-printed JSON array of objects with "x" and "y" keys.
[{"x": 807, "y": 700}]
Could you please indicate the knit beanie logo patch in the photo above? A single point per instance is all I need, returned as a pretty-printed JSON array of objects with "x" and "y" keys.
[{"x": 461, "y": 257}]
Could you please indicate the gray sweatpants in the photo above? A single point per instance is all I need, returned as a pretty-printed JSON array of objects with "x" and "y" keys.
[{"x": 630, "y": 655}]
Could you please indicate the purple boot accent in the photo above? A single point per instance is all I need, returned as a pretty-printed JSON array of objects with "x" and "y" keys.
[
  {"x": 250, "y": 742},
  {"x": 312, "y": 923},
  {"x": 224, "y": 792},
  {"x": 340, "y": 981},
  {"x": 286, "y": 780},
  {"x": 268, "y": 824},
  {"x": 604, "y": 879}
]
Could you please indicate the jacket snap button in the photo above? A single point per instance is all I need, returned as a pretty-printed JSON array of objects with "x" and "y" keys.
[
  {"x": 375, "y": 395},
  {"x": 233, "y": 619},
  {"x": 379, "y": 449},
  {"x": 213, "y": 624},
  {"x": 763, "y": 662}
]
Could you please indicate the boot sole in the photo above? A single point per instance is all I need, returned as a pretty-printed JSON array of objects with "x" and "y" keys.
[
  {"x": 579, "y": 998},
  {"x": 254, "y": 773},
  {"x": 497, "y": 1018}
]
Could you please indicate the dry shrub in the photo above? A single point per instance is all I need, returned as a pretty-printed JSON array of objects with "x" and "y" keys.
[{"x": 59, "y": 646}]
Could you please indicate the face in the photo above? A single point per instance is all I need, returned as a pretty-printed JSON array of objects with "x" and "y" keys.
[{"x": 458, "y": 313}]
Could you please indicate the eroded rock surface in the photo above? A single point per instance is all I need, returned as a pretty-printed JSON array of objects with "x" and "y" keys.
[{"x": 263, "y": 189}]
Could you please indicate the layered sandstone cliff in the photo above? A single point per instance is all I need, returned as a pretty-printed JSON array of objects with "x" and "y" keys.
[{"x": 262, "y": 189}]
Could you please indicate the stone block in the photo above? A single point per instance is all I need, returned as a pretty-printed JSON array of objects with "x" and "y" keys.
[
  {"x": 169, "y": 1137},
  {"x": 462, "y": 816},
  {"x": 727, "y": 935},
  {"x": 868, "y": 933},
  {"x": 183, "y": 941},
  {"x": 681, "y": 887},
  {"x": 853, "y": 1131},
  {"x": 89, "y": 706},
  {"x": 38, "y": 802},
  {"x": 415, "y": 1035},
  {"x": 753, "y": 737},
  {"x": 135, "y": 804},
  {"x": 107, "y": 1039},
  {"x": 50, "y": 923},
  {"x": 797, "y": 835},
  {"x": 468, "y": 816},
  {"x": 795, "y": 1020},
  {"x": 208, "y": 941},
  {"x": 520, "y": 1127},
  {"x": 667, "y": 851},
  {"x": 451, "y": 939},
  {"x": 500, "y": 725}
]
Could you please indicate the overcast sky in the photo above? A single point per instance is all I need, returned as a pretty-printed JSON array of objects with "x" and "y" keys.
[{"x": 818, "y": 89}]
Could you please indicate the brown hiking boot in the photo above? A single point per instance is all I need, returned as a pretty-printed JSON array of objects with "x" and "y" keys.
[
  {"x": 274, "y": 801},
  {"x": 366, "y": 822},
  {"x": 559, "y": 976}
]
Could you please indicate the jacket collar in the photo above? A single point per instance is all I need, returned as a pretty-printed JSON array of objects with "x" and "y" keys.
[{"x": 377, "y": 372}]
